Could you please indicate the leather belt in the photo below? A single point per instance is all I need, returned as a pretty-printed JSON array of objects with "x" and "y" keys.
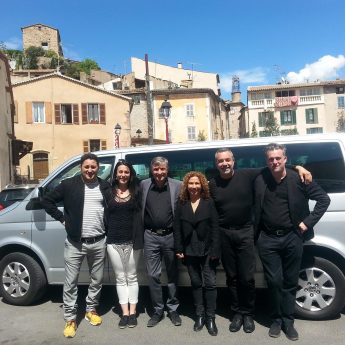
[
  {"x": 89, "y": 240},
  {"x": 161, "y": 232},
  {"x": 278, "y": 232}
]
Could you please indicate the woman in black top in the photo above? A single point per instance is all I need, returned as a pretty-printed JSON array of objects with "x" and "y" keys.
[
  {"x": 196, "y": 236},
  {"x": 125, "y": 239}
]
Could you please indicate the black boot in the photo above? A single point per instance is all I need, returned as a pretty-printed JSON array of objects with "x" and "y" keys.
[
  {"x": 199, "y": 323},
  {"x": 211, "y": 325}
]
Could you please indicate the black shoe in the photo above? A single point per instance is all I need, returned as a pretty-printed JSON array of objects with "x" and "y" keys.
[
  {"x": 199, "y": 323},
  {"x": 248, "y": 324},
  {"x": 211, "y": 326},
  {"x": 132, "y": 321},
  {"x": 291, "y": 333},
  {"x": 124, "y": 321},
  {"x": 175, "y": 318},
  {"x": 275, "y": 329},
  {"x": 236, "y": 323},
  {"x": 155, "y": 319}
]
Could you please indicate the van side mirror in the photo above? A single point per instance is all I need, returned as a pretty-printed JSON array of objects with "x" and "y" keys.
[{"x": 34, "y": 204}]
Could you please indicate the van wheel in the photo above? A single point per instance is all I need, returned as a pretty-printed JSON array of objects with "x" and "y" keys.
[
  {"x": 321, "y": 290},
  {"x": 22, "y": 280}
]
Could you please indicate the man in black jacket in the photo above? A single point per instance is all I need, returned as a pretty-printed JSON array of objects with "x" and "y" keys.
[
  {"x": 83, "y": 218},
  {"x": 282, "y": 222}
]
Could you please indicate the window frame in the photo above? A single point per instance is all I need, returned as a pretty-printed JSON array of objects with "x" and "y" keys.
[
  {"x": 287, "y": 113},
  {"x": 89, "y": 120},
  {"x": 43, "y": 111}
]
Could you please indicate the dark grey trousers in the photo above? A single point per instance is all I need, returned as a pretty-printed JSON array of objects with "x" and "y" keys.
[{"x": 156, "y": 249}]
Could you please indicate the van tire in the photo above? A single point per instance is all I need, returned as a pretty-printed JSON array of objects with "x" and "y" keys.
[
  {"x": 22, "y": 280},
  {"x": 321, "y": 290}
]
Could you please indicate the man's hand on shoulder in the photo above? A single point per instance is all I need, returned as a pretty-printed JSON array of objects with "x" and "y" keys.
[{"x": 304, "y": 174}]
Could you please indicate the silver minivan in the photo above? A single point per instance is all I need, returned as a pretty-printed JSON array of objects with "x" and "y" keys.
[{"x": 31, "y": 242}]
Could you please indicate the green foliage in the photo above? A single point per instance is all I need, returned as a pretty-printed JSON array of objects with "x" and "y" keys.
[
  {"x": 291, "y": 131},
  {"x": 254, "y": 132},
  {"x": 31, "y": 57},
  {"x": 202, "y": 136},
  {"x": 87, "y": 65},
  {"x": 271, "y": 128},
  {"x": 341, "y": 121}
]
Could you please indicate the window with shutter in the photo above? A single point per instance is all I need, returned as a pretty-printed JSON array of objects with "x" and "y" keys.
[
  {"x": 103, "y": 144},
  {"x": 75, "y": 114},
  {"x": 102, "y": 113},
  {"x": 84, "y": 113},
  {"x": 48, "y": 112},
  {"x": 57, "y": 114},
  {"x": 85, "y": 146}
]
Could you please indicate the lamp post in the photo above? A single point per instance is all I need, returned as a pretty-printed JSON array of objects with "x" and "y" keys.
[
  {"x": 165, "y": 109},
  {"x": 117, "y": 131}
]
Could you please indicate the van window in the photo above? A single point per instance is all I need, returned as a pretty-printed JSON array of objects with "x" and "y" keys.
[
  {"x": 324, "y": 160},
  {"x": 106, "y": 165}
]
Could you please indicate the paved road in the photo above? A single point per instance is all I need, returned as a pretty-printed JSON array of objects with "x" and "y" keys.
[{"x": 42, "y": 324}]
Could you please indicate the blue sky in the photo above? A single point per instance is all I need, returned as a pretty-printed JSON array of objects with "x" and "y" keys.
[{"x": 259, "y": 40}]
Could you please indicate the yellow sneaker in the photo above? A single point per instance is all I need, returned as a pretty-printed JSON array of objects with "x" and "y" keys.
[
  {"x": 70, "y": 329},
  {"x": 93, "y": 318}
]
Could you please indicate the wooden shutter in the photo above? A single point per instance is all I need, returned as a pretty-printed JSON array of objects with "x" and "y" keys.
[
  {"x": 103, "y": 144},
  {"x": 57, "y": 114},
  {"x": 75, "y": 114},
  {"x": 102, "y": 113},
  {"x": 84, "y": 113},
  {"x": 28, "y": 106},
  {"x": 85, "y": 146},
  {"x": 15, "y": 118},
  {"x": 48, "y": 111}
]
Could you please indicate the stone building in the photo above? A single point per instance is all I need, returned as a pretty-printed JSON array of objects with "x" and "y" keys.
[{"x": 40, "y": 35}]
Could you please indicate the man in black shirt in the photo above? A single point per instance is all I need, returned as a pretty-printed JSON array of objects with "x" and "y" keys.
[
  {"x": 282, "y": 222},
  {"x": 160, "y": 195},
  {"x": 232, "y": 192}
]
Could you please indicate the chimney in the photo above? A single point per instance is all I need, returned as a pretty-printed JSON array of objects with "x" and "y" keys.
[{"x": 179, "y": 65}]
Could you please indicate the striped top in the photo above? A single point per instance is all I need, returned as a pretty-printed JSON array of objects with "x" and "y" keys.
[{"x": 93, "y": 213}]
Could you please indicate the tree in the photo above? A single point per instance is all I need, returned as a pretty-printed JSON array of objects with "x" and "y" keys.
[
  {"x": 87, "y": 65},
  {"x": 271, "y": 128},
  {"x": 31, "y": 57},
  {"x": 341, "y": 121},
  {"x": 254, "y": 132}
]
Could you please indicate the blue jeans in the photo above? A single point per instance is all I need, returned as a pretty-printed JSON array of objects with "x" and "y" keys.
[{"x": 75, "y": 252}]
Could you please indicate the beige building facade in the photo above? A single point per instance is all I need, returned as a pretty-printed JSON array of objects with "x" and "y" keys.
[
  {"x": 196, "y": 114},
  {"x": 64, "y": 117},
  {"x": 304, "y": 108},
  {"x": 178, "y": 75},
  {"x": 40, "y": 35},
  {"x": 6, "y": 123}
]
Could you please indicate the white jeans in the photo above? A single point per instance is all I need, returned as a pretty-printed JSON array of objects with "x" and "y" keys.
[{"x": 124, "y": 261}]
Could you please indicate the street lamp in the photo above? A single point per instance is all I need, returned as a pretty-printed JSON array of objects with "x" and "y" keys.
[
  {"x": 117, "y": 131},
  {"x": 138, "y": 132},
  {"x": 165, "y": 111}
]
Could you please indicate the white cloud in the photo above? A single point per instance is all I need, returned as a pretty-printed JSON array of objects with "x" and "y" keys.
[
  {"x": 249, "y": 76},
  {"x": 13, "y": 43},
  {"x": 327, "y": 67}
]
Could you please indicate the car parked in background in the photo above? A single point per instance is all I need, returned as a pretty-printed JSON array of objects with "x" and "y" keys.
[{"x": 12, "y": 193}]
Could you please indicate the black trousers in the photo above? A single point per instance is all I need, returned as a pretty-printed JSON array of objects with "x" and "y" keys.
[
  {"x": 281, "y": 259},
  {"x": 202, "y": 272},
  {"x": 238, "y": 259},
  {"x": 156, "y": 249}
]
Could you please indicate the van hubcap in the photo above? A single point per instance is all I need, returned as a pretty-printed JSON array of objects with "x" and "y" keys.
[
  {"x": 316, "y": 289},
  {"x": 16, "y": 279}
]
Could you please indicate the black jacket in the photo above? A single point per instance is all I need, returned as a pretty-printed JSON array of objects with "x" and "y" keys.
[
  {"x": 204, "y": 222},
  {"x": 71, "y": 193},
  {"x": 298, "y": 197}
]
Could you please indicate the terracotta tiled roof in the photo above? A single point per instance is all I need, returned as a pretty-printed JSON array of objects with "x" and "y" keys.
[{"x": 75, "y": 81}]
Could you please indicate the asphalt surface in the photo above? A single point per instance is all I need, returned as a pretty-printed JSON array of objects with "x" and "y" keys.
[{"x": 42, "y": 324}]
